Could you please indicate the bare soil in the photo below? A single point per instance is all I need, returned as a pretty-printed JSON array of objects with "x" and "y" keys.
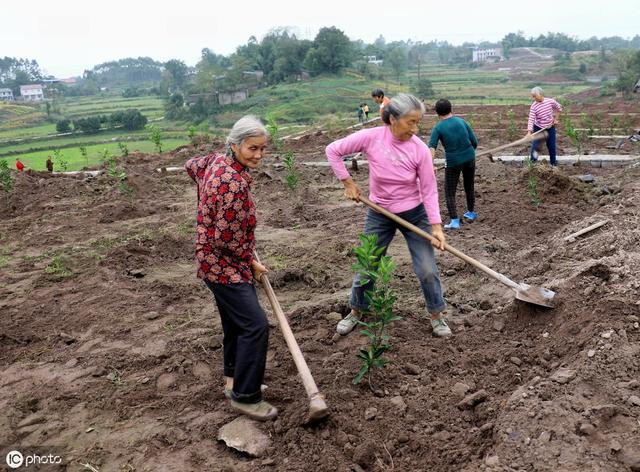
[{"x": 111, "y": 348}]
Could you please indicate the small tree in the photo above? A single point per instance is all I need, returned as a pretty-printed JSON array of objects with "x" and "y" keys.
[
  {"x": 373, "y": 267},
  {"x": 587, "y": 122},
  {"x": 6, "y": 181},
  {"x": 512, "y": 130},
  {"x": 289, "y": 161},
  {"x": 191, "y": 132},
  {"x": 288, "y": 157},
  {"x": 272, "y": 127},
  {"x": 124, "y": 149},
  {"x": 424, "y": 88},
  {"x": 532, "y": 185},
  {"x": 204, "y": 129},
  {"x": 59, "y": 158},
  {"x": 155, "y": 135},
  {"x": 117, "y": 172},
  {"x": 83, "y": 152}
]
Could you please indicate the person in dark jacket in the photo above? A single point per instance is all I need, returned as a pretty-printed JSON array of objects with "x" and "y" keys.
[
  {"x": 460, "y": 145},
  {"x": 225, "y": 243}
]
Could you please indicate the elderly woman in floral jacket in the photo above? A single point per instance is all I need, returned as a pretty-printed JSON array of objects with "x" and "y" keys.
[{"x": 224, "y": 250}]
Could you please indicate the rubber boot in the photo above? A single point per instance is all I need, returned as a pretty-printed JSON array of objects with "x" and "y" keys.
[{"x": 455, "y": 224}]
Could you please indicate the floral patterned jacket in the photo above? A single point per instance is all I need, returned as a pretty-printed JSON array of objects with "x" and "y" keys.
[{"x": 226, "y": 219}]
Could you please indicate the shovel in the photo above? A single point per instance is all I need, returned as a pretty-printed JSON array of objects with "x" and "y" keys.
[
  {"x": 317, "y": 406},
  {"x": 527, "y": 293}
]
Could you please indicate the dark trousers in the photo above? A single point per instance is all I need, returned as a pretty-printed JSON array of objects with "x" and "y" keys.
[
  {"x": 422, "y": 256},
  {"x": 246, "y": 338},
  {"x": 451, "y": 178},
  {"x": 551, "y": 143}
]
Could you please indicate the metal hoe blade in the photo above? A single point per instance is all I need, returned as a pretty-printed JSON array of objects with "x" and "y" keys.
[{"x": 536, "y": 295}]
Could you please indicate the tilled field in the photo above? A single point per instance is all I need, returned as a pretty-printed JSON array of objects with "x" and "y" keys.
[{"x": 111, "y": 348}]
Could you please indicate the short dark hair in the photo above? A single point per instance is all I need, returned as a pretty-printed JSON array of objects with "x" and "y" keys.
[
  {"x": 443, "y": 107},
  {"x": 377, "y": 93},
  {"x": 400, "y": 105}
]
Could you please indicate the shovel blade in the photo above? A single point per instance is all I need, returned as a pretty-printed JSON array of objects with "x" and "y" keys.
[{"x": 536, "y": 295}]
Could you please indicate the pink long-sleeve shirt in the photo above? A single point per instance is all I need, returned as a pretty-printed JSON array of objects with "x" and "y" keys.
[{"x": 401, "y": 174}]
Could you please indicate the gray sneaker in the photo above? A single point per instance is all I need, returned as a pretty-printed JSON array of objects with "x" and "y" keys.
[
  {"x": 440, "y": 328},
  {"x": 346, "y": 325}
]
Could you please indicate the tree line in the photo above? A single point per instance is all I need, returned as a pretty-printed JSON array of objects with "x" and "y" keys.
[
  {"x": 281, "y": 57},
  {"x": 566, "y": 43}
]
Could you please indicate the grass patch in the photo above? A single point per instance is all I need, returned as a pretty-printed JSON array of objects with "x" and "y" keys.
[
  {"x": 57, "y": 267},
  {"x": 75, "y": 160}
]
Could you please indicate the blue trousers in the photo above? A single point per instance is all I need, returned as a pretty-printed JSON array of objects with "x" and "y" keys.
[
  {"x": 422, "y": 256},
  {"x": 246, "y": 338},
  {"x": 551, "y": 144}
]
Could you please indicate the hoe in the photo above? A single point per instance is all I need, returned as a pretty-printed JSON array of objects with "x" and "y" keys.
[
  {"x": 317, "y": 406},
  {"x": 530, "y": 294}
]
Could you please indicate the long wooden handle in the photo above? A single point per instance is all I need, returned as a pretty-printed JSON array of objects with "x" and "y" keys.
[
  {"x": 527, "y": 139},
  {"x": 303, "y": 369},
  {"x": 573, "y": 236},
  {"x": 496, "y": 275}
]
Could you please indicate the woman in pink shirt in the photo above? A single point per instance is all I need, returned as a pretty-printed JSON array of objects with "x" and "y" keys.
[{"x": 402, "y": 180}]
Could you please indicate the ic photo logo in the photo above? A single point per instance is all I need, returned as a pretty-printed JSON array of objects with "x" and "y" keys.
[{"x": 14, "y": 459}]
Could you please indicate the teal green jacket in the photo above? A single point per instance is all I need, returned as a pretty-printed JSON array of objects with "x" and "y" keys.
[{"x": 458, "y": 140}]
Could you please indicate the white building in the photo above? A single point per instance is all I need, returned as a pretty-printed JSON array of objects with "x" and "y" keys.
[
  {"x": 31, "y": 93},
  {"x": 486, "y": 55},
  {"x": 6, "y": 95},
  {"x": 374, "y": 60}
]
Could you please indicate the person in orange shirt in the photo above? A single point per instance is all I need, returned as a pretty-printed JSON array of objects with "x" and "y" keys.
[{"x": 380, "y": 99}]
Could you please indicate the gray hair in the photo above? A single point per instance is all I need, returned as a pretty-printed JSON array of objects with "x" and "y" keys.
[
  {"x": 401, "y": 105},
  {"x": 537, "y": 91},
  {"x": 249, "y": 126}
]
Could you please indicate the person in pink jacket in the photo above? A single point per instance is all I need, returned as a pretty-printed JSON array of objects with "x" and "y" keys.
[{"x": 401, "y": 180}]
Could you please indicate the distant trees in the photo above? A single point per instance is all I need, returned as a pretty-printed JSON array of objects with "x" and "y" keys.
[
  {"x": 130, "y": 120},
  {"x": 88, "y": 125},
  {"x": 331, "y": 52},
  {"x": 16, "y": 72},
  {"x": 126, "y": 71},
  {"x": 566, "y": 43},
  {"x": 280, "y": 55},
  {"x": 174, "y": 76},
  {"x": 628, "y": 66},
  {"x": 397, "y": 59}
]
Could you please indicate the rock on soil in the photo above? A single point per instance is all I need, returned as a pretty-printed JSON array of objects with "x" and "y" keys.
[
  {"x": 244, "y": 435},
  {"x": 472, "y": 400},
  {"x": 563, "y": 375}
]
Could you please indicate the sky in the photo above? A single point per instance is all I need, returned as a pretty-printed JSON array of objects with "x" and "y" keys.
[{"x": 67, "y": 37}]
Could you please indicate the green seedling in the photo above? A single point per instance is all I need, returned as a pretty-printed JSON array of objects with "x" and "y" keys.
[{"x": 378, "y": 269}]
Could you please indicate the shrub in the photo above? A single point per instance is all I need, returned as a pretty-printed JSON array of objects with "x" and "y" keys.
[
  {"x": 63, "y": 126},
  {"x": 88, "y": 125}
]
